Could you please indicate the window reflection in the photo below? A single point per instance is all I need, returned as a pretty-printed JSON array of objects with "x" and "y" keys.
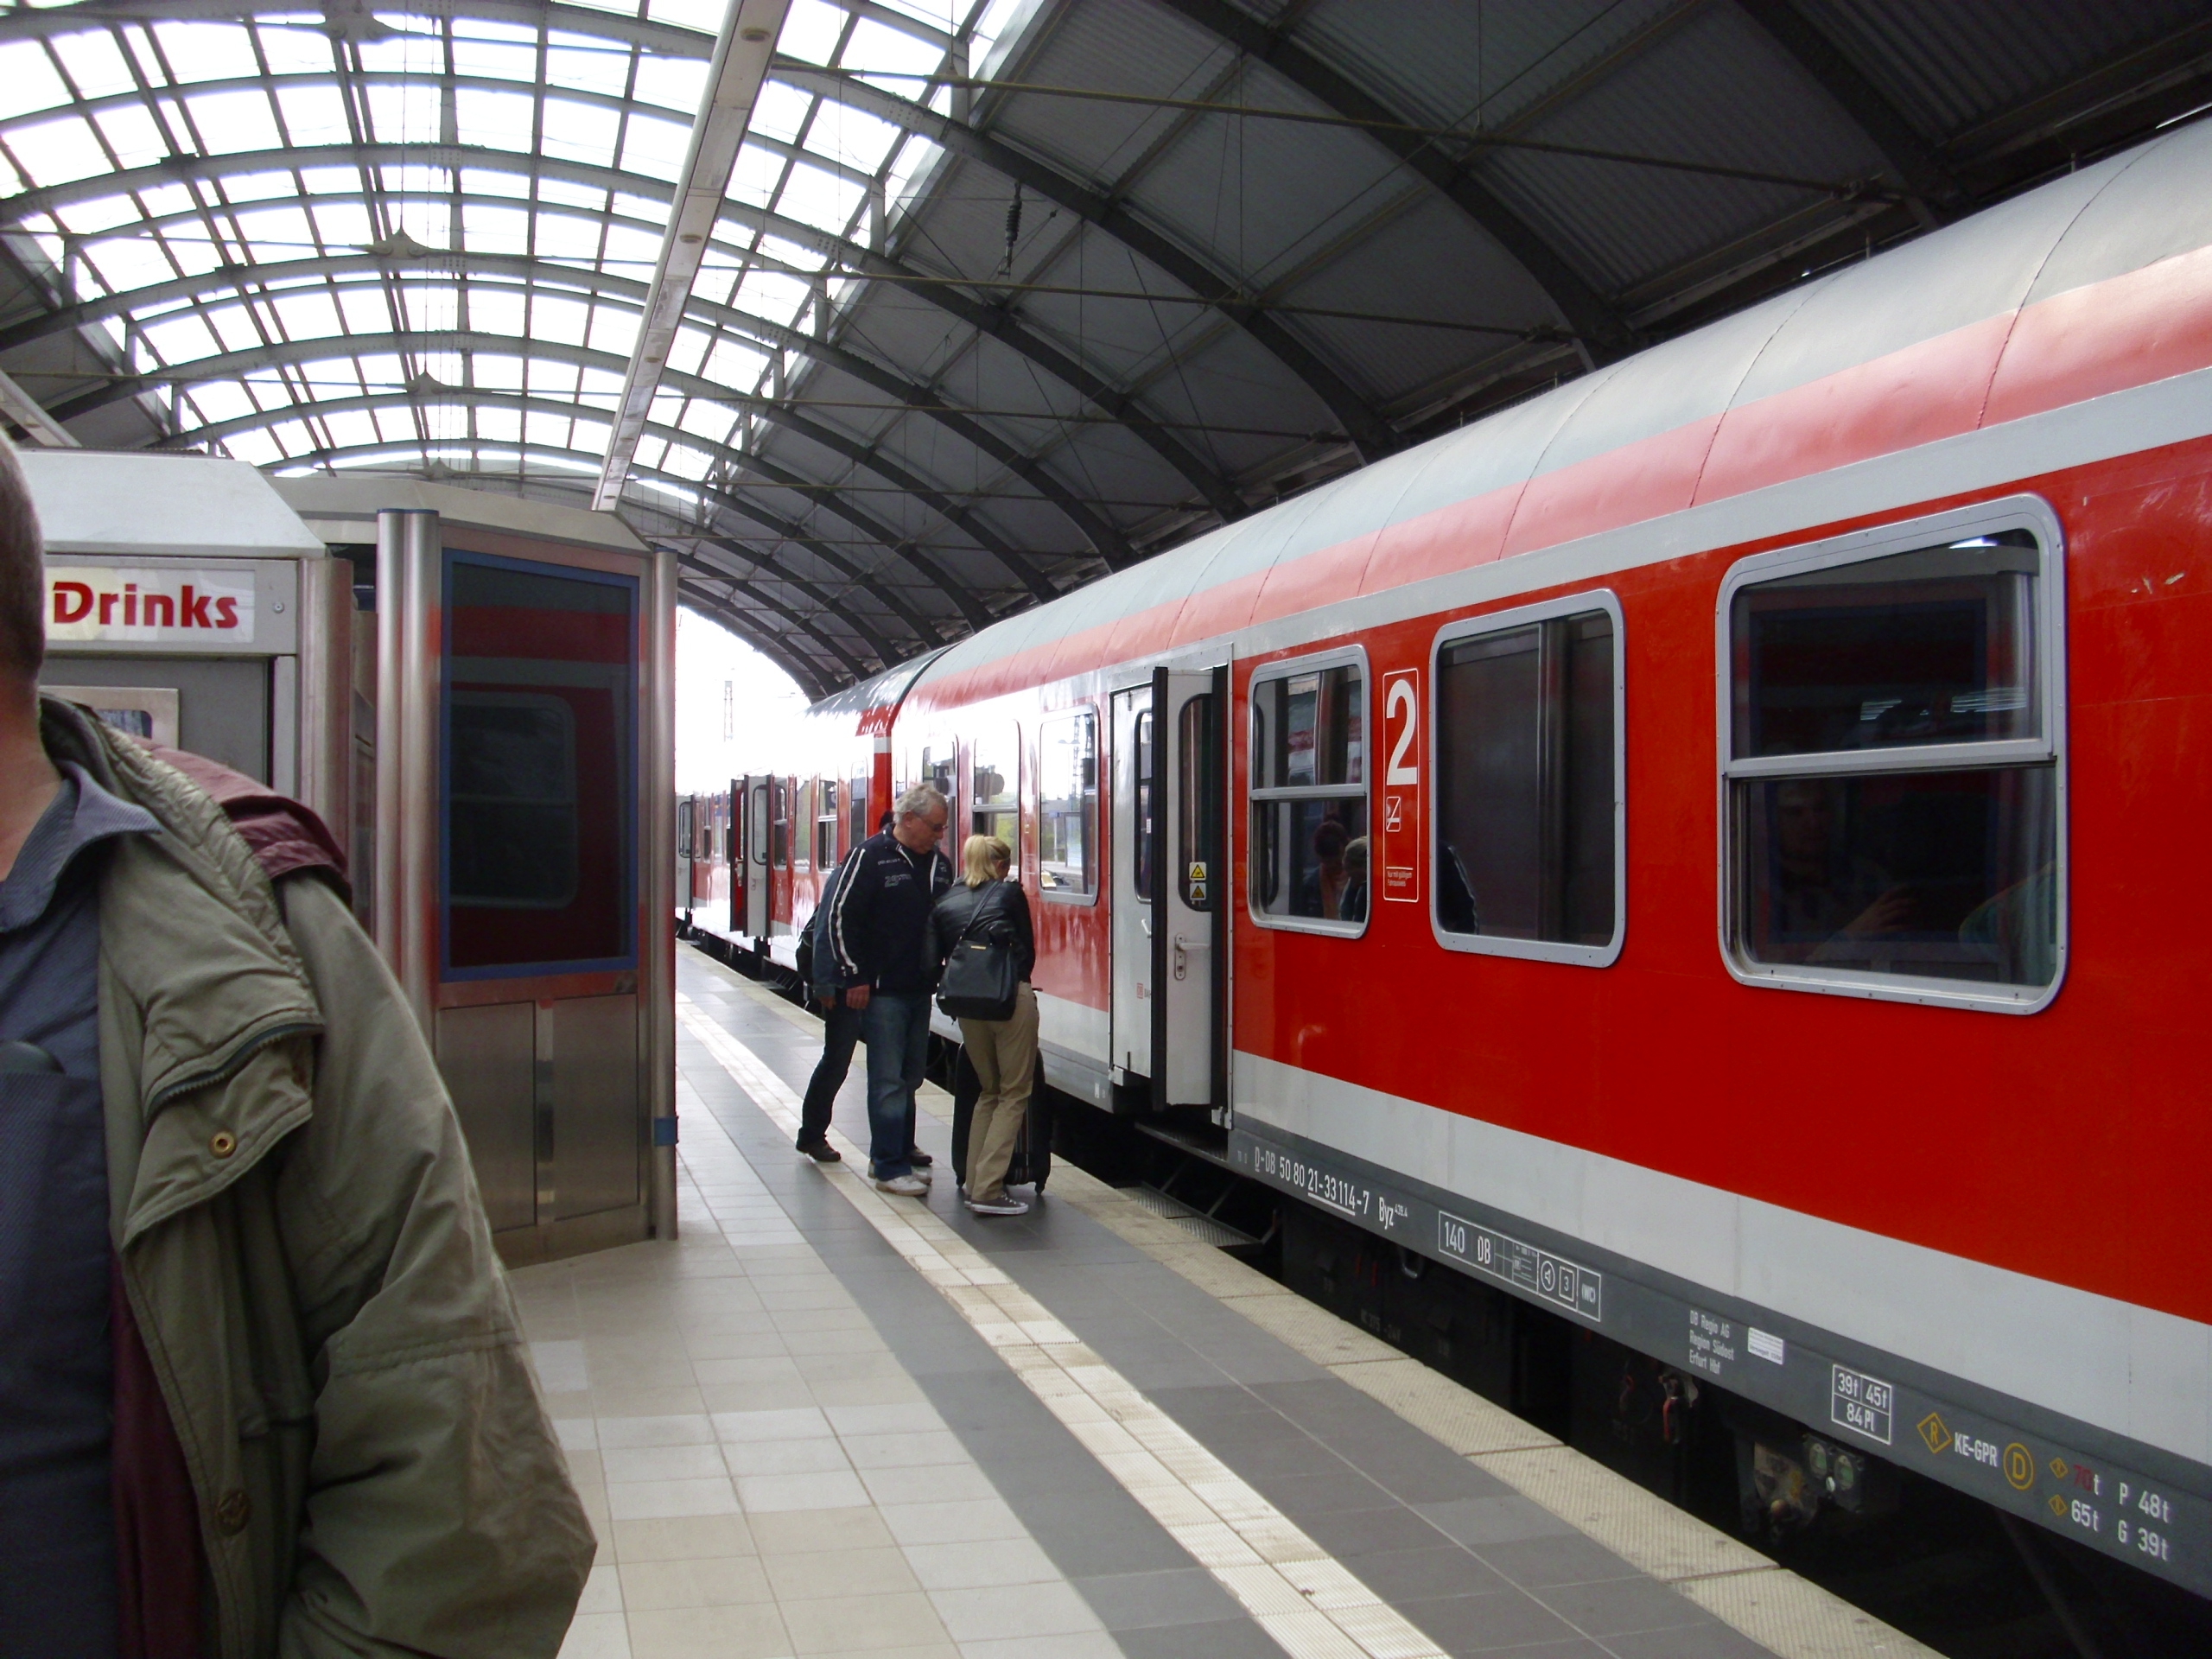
[{"x": 1309, "y": 798}]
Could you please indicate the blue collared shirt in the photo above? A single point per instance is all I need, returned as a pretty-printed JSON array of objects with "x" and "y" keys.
[{"x": 57, "y": 1520}]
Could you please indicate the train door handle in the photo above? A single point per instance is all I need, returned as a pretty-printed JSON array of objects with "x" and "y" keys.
[{"x": 1183, "y": 948}]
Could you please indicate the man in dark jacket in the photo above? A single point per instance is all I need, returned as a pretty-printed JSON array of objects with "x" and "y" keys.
[{"x": 880, "y": 938}]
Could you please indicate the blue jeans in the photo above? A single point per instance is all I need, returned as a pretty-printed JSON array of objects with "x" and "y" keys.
[{"x": 896, "y": 1025}]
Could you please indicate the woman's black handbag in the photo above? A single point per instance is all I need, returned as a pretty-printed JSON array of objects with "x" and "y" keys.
[{"x": 980, "y": 980}]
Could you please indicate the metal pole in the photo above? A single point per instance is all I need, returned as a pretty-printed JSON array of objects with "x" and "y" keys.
[
  {"x": 660, "y": 942},
  {"x": 408, "y": 590}
]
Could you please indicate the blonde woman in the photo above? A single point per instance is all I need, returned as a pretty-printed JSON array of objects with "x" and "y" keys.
[{"x": 1003, "y": 1052}]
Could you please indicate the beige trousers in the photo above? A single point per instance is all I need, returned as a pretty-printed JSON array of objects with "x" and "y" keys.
[{"x": 1004, "y": 1054}]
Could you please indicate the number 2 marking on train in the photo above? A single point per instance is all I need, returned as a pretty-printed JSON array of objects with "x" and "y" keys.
[{"x": 1405, "y": 758}]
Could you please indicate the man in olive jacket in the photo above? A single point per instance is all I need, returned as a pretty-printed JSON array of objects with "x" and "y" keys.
[{"x": 322, "y": 1436}]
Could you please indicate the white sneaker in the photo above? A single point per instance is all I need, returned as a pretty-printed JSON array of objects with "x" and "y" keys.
[
  {"x": 905, "y": 1186},
  {"x": 1005, "y": 1204}
]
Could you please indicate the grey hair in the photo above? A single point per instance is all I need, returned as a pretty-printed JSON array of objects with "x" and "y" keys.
[{"x": 919, "y": 801}]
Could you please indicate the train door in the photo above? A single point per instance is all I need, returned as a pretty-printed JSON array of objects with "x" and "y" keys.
[
  {"x": 1135, "y": 880},
  {"x": 1190, "y": 956},
  {"x": 754, "y": 922}
]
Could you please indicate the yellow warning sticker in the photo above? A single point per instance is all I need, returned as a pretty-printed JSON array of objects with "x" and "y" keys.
[{"x": 1936, "y": 1432}]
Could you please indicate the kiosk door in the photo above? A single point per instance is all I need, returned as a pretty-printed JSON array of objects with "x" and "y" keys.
[{"x": 1189, "y": 965}]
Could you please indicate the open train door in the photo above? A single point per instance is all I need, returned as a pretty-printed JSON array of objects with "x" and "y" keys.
[
  {"x": 753, "y": 918},
  {"x": 1190, "y": 953}
]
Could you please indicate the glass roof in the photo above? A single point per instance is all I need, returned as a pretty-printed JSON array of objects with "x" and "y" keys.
[{"x": 417, "y": 236}]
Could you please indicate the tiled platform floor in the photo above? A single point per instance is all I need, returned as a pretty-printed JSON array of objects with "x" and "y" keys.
[{"x": 792, "y": 1442}]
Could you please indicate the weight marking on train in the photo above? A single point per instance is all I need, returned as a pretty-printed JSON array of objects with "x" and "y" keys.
[
  {"x": 1551, "y": 1278},
  {"x": 1861, "y": 1404}
]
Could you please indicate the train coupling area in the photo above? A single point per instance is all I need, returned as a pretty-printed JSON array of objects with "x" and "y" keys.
[{"x": 827, "y": 1420}]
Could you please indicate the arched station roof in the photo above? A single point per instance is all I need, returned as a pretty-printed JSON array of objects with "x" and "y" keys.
[{"x": 894, "y": 317}]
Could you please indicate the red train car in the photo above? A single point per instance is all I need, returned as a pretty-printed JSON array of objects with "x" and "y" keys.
[{"x": 1715, "y": 851}]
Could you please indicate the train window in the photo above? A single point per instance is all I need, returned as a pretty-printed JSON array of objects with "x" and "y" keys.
[
  {"x": 759, "y": 816},
  {"x": 1067, "y": 806},
  {"x": 1894, "y": 791},
  {"x": 941, "y": 769},
  {"x": 1309, "y": 793},
  {"x": 779, "y": 815},
  {"x": 683, "y": 826},
  {"x": 856, "y": 805},
  {"x": 1527, "y": 782},
  {"x": 994, "y": 807},
  {"x": 825, "y": 827},
  {"x": 1198, "y": 827}
]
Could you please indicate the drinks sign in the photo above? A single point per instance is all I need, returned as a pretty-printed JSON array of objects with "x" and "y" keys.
[{"x": 177, "y": 606}]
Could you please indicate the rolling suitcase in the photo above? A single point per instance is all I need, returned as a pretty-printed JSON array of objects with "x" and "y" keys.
[{"x": 1032, "y": 1163}]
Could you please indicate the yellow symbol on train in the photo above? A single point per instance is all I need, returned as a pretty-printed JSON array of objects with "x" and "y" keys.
[
  {"x": 2059, "y": 1506},
  {"x": 2059, "y": 1470},
  {"x": 2021, "y": 1466},
  {"x": 1936, "y": 1432}
]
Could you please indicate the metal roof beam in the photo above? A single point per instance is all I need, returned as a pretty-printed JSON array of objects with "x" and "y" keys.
[
  {"x": 1602, "y": 332},
  {"x": 29, "y": 414},
  {"x": 236, "y": 365},
  {"x": 806, "y": 626},
  {"x": 663, "y": 40},
  {"x": 992, "y": 319},
  {"x": 1369, "y": 432},
  {"x": 1929, "y": 184},
  {"x": 734, "y": 76},
  {"x": 912, "y": 396}
]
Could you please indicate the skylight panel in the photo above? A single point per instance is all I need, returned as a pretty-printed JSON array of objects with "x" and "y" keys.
[
  {"x": 293, "y": 436},
  {"x": 735, "y": 363},
  {"x": 491, "y": 229},
  {"x": 406, "y": 114},
  {"x": 757, "y": 176},
  {"x": 207, "y": 51},
  {"x": 566, "y": 236},
  {"x": 101, "y": 214},
  {"x": 58, "y": 151},
  {"x": 631, "y": 251},
  {"x": 195, "y": 255},
  {"x": 309, "y": 315},
  {"x": 394, "y": 425},
  {"x": 403, "y": 54},
  {"x": 484, "y": 181},
  {"x": 577, "y": 195},
  {"x": 602, "y": 382},
  {"x": 705, "y": 15},
  {"x": 232, "y": 123},
  {"x": 255, "y": 448},
  {"x": 654, "y": 146},
  {"x": 295, "y": 51},
  {"x": 851, "y": 135},
  {"x": 484, "y": 28},
  {"x": 651, "y": 452},
  {"x": 122, "y": 263},
  {"x": 364, "y": 307},
  {"x": 592, "y": 70},
  {"x": 95, "y": 63},
  {"x": 28, "y": 82},
  {"x": 497, "y": 120},
  {"x": 767, "y": 294},
  {"x": 178, "y": 340},
  {"x": 277, "y": 233},
  {"x": 344, "y": 225},
  {"x": 500, "y": 423},
  {"x": 874, "y": 46},
  {"x": 641, "y": 207},
  {"x": 133, "y": 133},
  {"x": 580, "y": 132},
  {"x": 331, "y": 181},
  {"x": 314, "y": 115},
  {"x": 495, "y": 60},
  {"x": 495, "y": 311},
  {"x": 234, "y": 328},
  {"x": 614, "y": 331},
  {"x": 491, "y": 370},
  {"x": 352, "y": 428},
  {"x": 792, "y": 253},
  {"x": 270, "y": 185},
  {"x": 590, "y": 436},
  {"x": 672, "y": 83},
  {"x": 221, "y": 400},
  {"x": 811, "y": 31},
  {"x": 382, "y": 371},
  {"x": 686, "y": 462},
  {"x": 821, "y": 200},
  {"x": 780, "y": 111},
  {"x": 712, "y": 421},
  {"x": 992, "y": 20},
  {"x": 688, "y": 349},
  {"x": 541, "y": 428},
  {"x": 550, "y": 379}
]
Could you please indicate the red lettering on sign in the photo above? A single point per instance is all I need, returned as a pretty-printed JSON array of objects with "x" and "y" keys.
[
  {"x": 192, "y": 613},
  {"x": 107, "y": 607},
  {"x": 72, "y": 600},
  {"x": 226, "y": 611},
  {"x": 161, "y": 611}
]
